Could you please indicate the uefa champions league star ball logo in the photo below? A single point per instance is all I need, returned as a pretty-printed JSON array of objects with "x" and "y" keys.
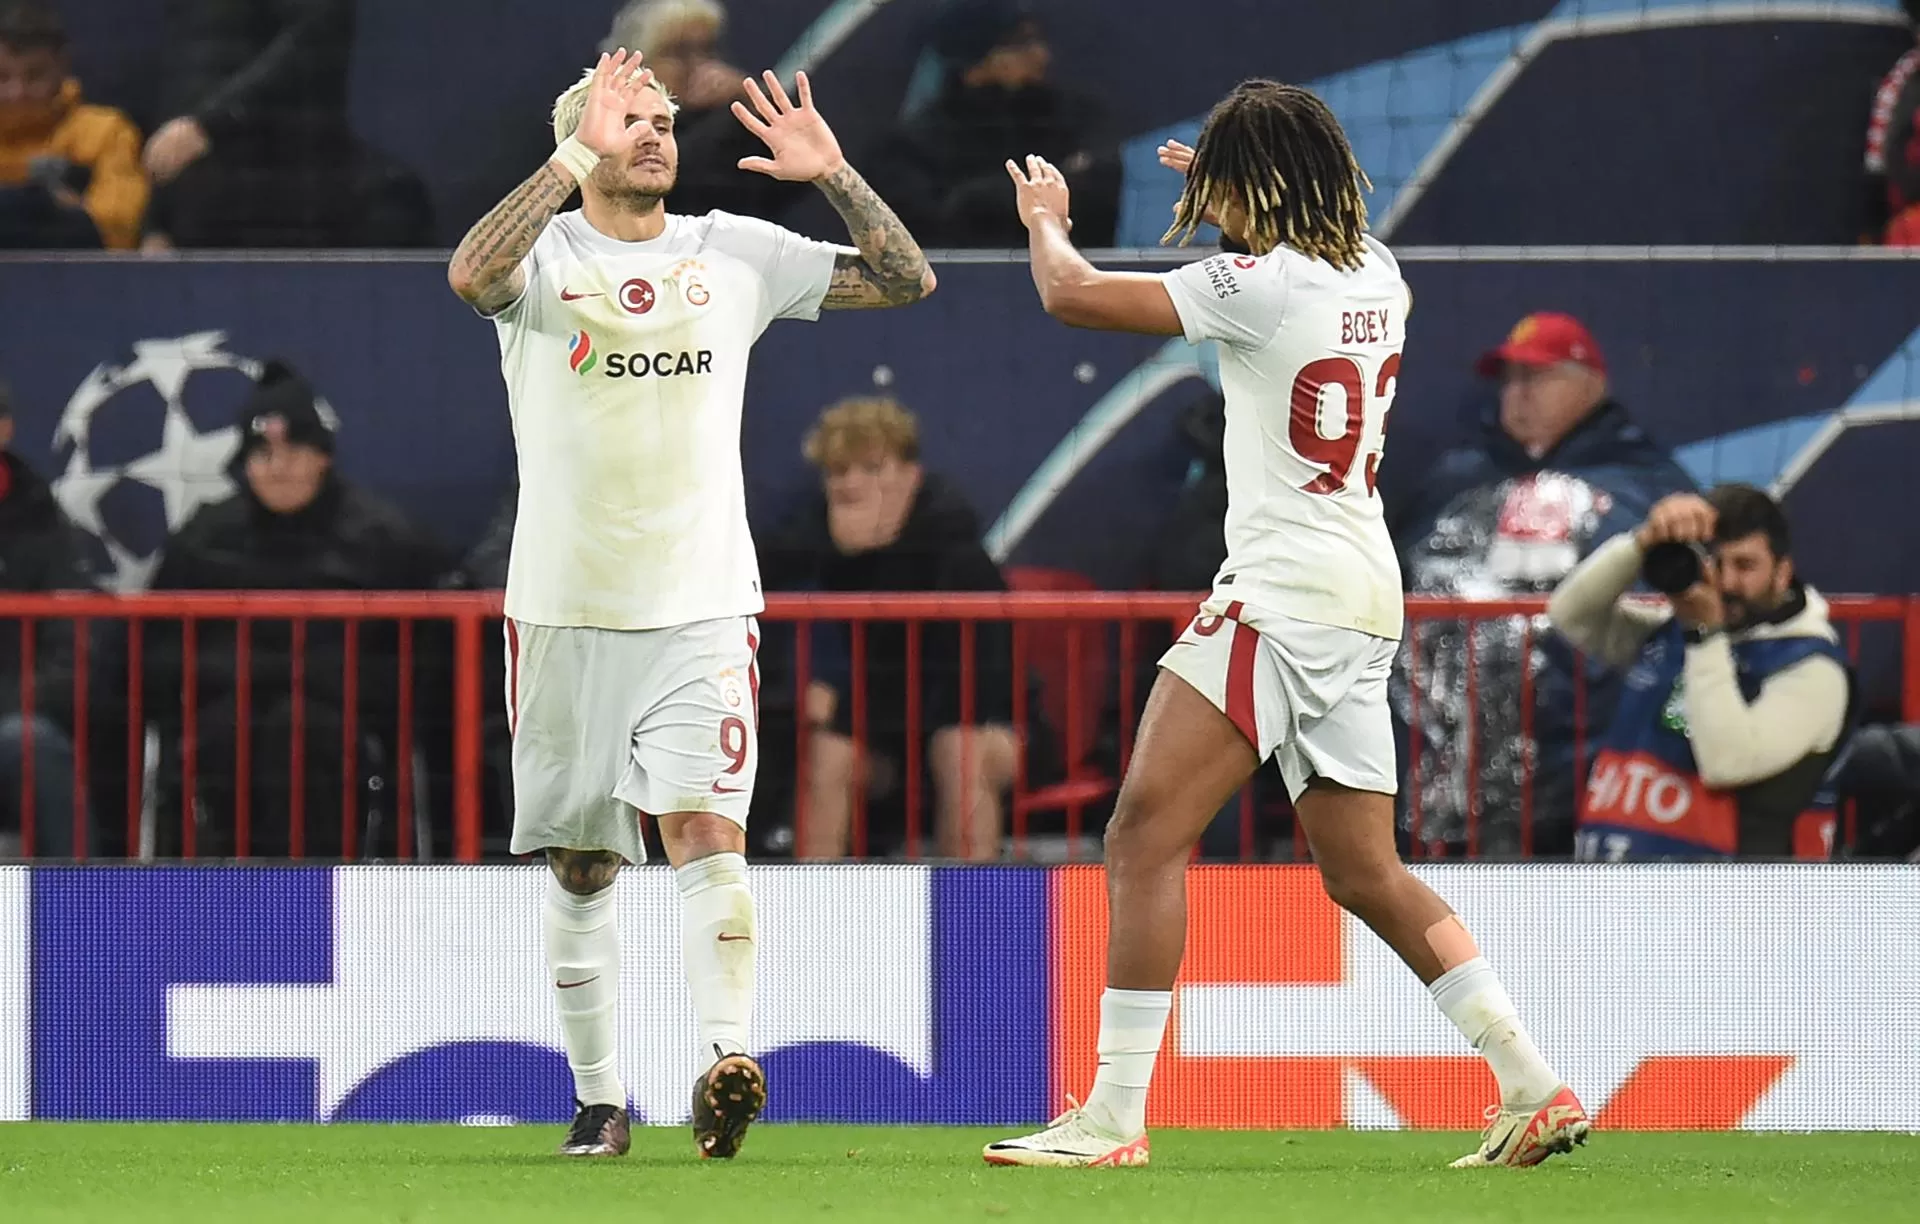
[{"x": 146, "y": 444}]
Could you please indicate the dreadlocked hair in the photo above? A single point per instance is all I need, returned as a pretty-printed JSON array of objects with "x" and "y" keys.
[{"x": 1280, "y": 152}]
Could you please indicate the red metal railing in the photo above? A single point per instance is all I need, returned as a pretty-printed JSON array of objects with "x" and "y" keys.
[{"x": 1086, "y": 647}]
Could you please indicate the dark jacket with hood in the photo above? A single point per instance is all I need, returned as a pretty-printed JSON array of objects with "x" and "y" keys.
[
  {"x": 938, "y": 549},
  {"x": 259, "y": 69},
  {"x": 344, "y": 540},
  {"x": 1490, "y": 521},
  {"x": 40, "y": 551},
  {"x": 944, "y": 171}
]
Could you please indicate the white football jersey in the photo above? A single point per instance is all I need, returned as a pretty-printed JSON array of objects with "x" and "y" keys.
[
  {"x": 626, "y": 367},
  {"x": 1309, "y": 362}
]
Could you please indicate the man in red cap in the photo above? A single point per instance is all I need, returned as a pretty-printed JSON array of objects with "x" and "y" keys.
[
  {"x": 1552, "y": 378},
  {"x": 1557, "y": 469}
]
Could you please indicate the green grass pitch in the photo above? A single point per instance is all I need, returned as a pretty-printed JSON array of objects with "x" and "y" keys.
[{"x": 295, "y": 1174}]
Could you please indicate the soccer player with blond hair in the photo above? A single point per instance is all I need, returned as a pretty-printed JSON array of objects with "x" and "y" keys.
[
  {"x": 1290, "y": 654},
  {"x": 632, "y": 588}
]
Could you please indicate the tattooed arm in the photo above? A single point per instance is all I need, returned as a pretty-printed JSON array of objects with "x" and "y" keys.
[
  {"x": 891, "y": 269},
  {"x": 486, "y": 270}
]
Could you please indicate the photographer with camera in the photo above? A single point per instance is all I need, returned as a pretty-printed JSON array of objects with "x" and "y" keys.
[{"x": 1736, "y": 693}]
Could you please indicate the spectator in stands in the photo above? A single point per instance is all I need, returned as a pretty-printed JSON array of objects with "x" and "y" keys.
[
  {"x": 70, "y": 172},
  {"x": 40, "y": 550},
  {"x": 681, "y": 40},
  {"x": 1737, "y": 696},
  {"x": 295, "y": 525},
  {"x": 944, "y": 170},
  {"x": 1893, "y": 151},
  {"x": 1879, "y": 774},
  {"x": 885, "y": 524},
  {"x": 258, "y": 152},
  {"x": 1559, "y": 467}
]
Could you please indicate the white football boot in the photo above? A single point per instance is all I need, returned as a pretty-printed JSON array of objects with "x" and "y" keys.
[
  {"x": 1070, "y": 1141},
  {"x": 1524, "y": 1136}
]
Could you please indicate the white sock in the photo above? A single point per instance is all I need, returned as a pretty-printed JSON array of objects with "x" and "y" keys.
[
  {"x": 1132, "y": 1023},
  {"x": 1472, "y": 997},
  {"x": 583, "y": 951},
  {"x": 719, "y": 950}
]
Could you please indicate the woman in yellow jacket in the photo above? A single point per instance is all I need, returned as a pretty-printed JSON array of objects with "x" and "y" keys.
[{"x": 60, "y": 156}]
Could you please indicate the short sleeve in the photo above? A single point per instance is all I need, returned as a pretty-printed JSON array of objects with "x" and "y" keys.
[
  {"x": 797, "y": 271},
  {"x": 1235, "y": 299}
]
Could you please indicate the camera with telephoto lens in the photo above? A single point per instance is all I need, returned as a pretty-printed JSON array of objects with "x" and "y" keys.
[{"x": 1673, "y": 566}]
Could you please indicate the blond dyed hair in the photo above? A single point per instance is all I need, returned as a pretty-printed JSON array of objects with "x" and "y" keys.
[{"x": 858, "y": 426}]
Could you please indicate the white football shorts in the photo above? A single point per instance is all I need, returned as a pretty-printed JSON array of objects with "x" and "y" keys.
[
  {"x": 1314, "y": 697},
  {"x": 606, "y": 721}
]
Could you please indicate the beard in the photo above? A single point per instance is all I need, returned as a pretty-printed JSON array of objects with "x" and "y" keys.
[{"x": 617, "y": 185}]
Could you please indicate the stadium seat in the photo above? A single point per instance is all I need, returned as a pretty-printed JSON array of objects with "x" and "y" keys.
[{"x": 1045, "y": 647}]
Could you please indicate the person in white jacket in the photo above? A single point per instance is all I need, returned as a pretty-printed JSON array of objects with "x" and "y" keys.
[{"x": 1736, "y": 692}]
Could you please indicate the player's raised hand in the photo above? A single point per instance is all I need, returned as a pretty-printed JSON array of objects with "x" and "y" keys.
[
  {"x": 803, "y": 146},
  {"x": 1176, "y": 156},
  {"x": 1040, "y": 190},
  {"x": 614, "y": 94}
]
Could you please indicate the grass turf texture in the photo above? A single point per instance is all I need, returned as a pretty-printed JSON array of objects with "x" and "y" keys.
[{"x": 294, "y": 1174}]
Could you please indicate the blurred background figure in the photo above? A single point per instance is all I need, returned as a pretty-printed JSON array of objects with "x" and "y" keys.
[
  {"x": 682, "y": 41},
  {"x": 296, "y": 524},
  {"x": 257, "y": 151},
  {"x": 943, "y": 169},
  {"x": 40, "y": 550},
  {"x": 884, "y": 523},
  {"x": 1559, "y": 468},
  {"x": 70, "y": 173},
  {"x": 1893, "y": 151}
]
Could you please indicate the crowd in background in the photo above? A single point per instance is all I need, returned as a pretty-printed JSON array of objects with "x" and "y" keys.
[{"x": 257, "y": 151}]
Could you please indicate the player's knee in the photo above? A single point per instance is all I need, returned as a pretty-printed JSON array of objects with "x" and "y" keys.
[
  {"x": 583, "y": 872},
  {"x": 1365, "y": 890},
  {"x": 1135, "y": 840},
  {"x": 688, "y": 836}
]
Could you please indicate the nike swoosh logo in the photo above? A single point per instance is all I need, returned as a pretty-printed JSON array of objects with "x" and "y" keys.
[
  {"x": 568, "y": 295},
  {"x": 573, "y": 985},
  {"x": 726, "y": 938},
  {"x": 728, "y": 790},
  {"x": 1501, "y": 1147}
]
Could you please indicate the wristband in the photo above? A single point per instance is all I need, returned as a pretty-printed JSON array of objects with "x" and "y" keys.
[{"x": 576, "y": 157}]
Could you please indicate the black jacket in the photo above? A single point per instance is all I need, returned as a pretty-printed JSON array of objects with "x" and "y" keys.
[
  {"x": 944, "y": 171},
  {"x": 250, "y": 67},
  {"x": 40, "y": 550},
  {"x": 938, "y": 549},
  {"x": 347, "y": 540}
]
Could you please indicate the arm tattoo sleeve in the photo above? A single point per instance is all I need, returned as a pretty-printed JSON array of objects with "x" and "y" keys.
[
  {"x": 891, "y": 269},
  {"x": 486, "y": 266}
]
